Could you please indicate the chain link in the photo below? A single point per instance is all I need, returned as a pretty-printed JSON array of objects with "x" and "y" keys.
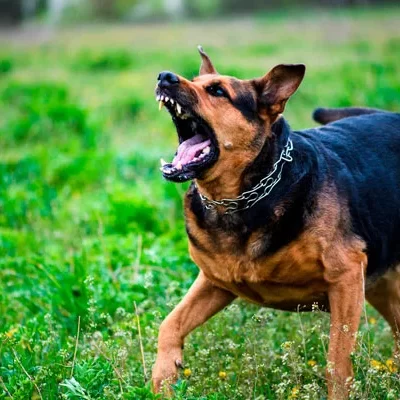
[{"x": 261, "y": 190}]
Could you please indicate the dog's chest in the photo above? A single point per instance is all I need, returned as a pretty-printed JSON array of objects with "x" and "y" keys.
[{"x": 290, "y": 277}]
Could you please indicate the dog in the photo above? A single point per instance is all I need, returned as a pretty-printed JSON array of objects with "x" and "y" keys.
[{"x": 284, "y": 219}]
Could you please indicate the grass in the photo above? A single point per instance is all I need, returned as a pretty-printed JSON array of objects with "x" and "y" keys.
[{"x": 92, "y": 237}]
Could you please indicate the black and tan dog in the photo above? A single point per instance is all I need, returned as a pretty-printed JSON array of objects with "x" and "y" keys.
[{"x": 282, "y": 218}]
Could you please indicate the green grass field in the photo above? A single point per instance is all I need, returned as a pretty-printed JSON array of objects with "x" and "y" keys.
[{"x": 91, "y": 235}]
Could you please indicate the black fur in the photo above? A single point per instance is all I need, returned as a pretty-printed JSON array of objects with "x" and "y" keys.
[
  {"x": 244, "y": 101},
  {"x": 360, "y": 155}
]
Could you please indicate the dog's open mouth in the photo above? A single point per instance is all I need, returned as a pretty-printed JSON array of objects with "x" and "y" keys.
[{"x": 197, "y": 149}]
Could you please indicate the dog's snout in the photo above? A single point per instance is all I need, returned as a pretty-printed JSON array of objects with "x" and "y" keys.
[{"x": 167, "y": 78}]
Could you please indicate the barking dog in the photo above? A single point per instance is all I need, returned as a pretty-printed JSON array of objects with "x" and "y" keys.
[{"x": 282, "y": 218}]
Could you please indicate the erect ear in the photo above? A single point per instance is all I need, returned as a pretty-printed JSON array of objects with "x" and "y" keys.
[
  {"x": 275, "y": 88},
  {"x": 206, "y": 66}
]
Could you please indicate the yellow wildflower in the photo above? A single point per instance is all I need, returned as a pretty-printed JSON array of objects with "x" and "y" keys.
[
  {"x": 294, "y": 393},
  {"x": 391, "y": 366},
  {"x": 11, "y": 332},
  {"x": 187, "y": 372},
  {"x": 311, "y": 363},
  {"x": 377, "y": 365},
  {"x": 372, "y": 321},
  {"x": 222, "y": 375},
  {"x": 286, "y": 345}
]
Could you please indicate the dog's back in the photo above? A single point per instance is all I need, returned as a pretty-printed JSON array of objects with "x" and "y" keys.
[{"x": 363, "y": 157}]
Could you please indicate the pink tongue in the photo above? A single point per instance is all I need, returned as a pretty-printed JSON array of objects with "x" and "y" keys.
[{"x": 188, "y": 149}]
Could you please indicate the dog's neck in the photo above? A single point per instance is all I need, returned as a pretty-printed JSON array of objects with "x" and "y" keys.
[{"x": 233, "y": 182}]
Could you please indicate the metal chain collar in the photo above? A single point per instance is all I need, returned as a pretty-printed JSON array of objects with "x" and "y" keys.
[{"x": 261, "y": 190}]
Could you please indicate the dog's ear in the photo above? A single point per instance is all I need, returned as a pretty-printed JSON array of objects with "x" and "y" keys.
[
  {"x": 275, "y": 88},
  {"x": 206, "y": 66}
]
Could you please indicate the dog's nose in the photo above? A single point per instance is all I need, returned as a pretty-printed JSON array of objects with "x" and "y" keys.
[{"x": 166, "y": 79}]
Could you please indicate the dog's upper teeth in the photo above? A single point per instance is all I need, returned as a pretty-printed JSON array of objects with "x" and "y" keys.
[
  {"x": 162, "y": 98},
  {"x": 179, "y": 165},
  {"x": 166, "y": 99},
  {"x": 206, "y": 150},
  {"x": 172, "y": 101},
  {"x": 158, "y": 97},
  {"x": 162, "y": 162},
  {"x": 178, "y": 108}
]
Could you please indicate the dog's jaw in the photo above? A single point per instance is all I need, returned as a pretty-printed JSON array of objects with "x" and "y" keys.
[{"x": 197, "y": 149}]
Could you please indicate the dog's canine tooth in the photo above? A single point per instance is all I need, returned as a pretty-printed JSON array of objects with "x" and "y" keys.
[
  {"x": 178, "y": 108},
  {"x": 162, "y": 162},
  {"x": 160, "y": 105},
  {"x": 206, "y": 150},
  {"x": 179, "y": 165}
]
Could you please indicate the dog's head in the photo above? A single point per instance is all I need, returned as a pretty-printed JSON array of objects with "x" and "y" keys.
[{"x": 222, "y": 122}]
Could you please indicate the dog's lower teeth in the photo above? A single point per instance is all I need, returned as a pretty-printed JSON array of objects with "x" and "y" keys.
[{"x": 206, "y": 150}]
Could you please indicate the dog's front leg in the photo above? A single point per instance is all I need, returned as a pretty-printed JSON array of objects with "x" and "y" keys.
[
  {"x": 346, "y": 298},
  {"x": 202, "y": 301}
]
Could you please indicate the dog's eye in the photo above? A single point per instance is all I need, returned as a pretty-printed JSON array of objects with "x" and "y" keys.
[{"x": 216, "y": 90}]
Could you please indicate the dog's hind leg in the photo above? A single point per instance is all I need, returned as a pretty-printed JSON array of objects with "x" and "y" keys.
[
  {"x": 202, "y": 301},
  {"x": 384, "y": 296},
  {"x": 345, "y": 269},
  {"x": 326, "y": 115}
]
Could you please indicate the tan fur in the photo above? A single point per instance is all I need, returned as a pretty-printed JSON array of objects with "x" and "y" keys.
[
  {"x": 201, "y": 302},
  {"x": 229, "y": 125},
  {"x": 299, "y": 273}
]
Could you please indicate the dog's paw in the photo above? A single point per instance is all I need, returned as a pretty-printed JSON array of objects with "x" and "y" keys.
[{"x": 165, "y": 373}]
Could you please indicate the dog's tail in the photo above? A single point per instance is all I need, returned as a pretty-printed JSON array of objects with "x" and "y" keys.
[{"x": 326, "y": 115}]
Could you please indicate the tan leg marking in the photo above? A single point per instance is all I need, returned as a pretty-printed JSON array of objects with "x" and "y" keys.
[
  {"x": 346, "y": 299},
  {"x": 202, "y": 301},
  {"x": 384, "y": 296}
]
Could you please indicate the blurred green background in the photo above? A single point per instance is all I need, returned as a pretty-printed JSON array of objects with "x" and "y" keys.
[{"x": 88, "y": 227}]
